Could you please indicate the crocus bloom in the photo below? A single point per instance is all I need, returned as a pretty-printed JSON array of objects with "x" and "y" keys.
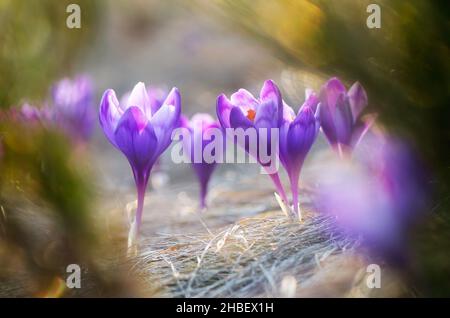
[
  {"x": 244, "y": 111},
  {"x": 139, "y": 132},
  {"x": 156, "y": 96},
  {"x": 200, "y": 128},
  {"x": 297, "y": 135},
  {"x": 73, "y": 107},
  {"x": 340, "y": 115}
]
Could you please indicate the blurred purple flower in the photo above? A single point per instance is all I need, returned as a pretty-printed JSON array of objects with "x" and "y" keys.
[
  {"x": 200, "y": 128},
  {"x": 244, "y": 111},
  {"x": 139, "y": 132},
  {"x": 340, "y": 115},
  {"x": 297, "y": 135},
  {"x": 73, "y": 107},
  {"x": 33, "y": 114},
  {"x": 30, "y": 113},
  {"x": 378, "y": 198}
]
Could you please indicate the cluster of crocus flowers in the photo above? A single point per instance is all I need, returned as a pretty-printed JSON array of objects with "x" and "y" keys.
[
  {"x": 143, "y": 123},
  {"x": 201, "y": 130},
  {"x": 296, "y": 133},
  {"x": 141, "y": 133},
  {"x": 340, "y": 115}
]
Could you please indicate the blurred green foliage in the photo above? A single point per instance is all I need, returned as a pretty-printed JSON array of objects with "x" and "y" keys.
[
  {"x": 47, "y": 217},
  {"x": 36, "y": 46},
  {"x": 38, "y": 178},
  {"x": 46, "y": 199}
]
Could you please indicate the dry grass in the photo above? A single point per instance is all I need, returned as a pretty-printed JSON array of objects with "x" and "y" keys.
[{"x": 255, "y": 257}]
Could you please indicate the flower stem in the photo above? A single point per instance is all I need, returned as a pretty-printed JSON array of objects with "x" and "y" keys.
[
  {"x": 141, "y": 180},
  {"x": 293, "y": 178},
  {"x": 279, "y": 187},
  {"x": 203, "y": 193},
  {"x": 140, "y": 205}
]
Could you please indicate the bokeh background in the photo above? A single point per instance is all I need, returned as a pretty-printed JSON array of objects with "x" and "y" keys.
[{"x": 204, "y": 48}]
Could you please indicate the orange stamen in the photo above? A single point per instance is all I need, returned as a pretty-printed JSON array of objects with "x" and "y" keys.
[{"x": 251, "y": 114}]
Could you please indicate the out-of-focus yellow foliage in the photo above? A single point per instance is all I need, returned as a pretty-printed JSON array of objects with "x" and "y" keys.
[
  {"x": 295, "y": 25},
  {"x": 36, "y": 46}
]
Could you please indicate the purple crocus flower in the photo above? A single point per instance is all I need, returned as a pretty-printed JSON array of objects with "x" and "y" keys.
[
  {"x": 200, "y": 128},
  {"x": 297, "y": 135},
  {"x": 73, "y": 107},
  {"x": 156, "y": 96},
  {"x": 139, "y": 132},
  {"x": 378, "y": 196},
  {"x": 244, "y": 111},
  {"x": 340, "y": 115}
]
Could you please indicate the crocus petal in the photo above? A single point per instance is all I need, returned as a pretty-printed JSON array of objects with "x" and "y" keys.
[
  {"x": 358, "y": 99},
  {"x": 138, "y": 97},
  {"x": 311, "y": 101},
  {"x": 156, "y": 96},
  {"x": 284, "y": 157},
  {"x": 200, "y": 124},
  {"x": 343, "y": 120},
  {"x": 62, "y": 94},
  {"x": 166, "y": 119},
  {"x": 244, "y": 99},
  {"x": 136, "y": 138},
  {"x": 288, "y": 113},
  {"x": 301, "y": 135},
  {"x": 271, "y": 93},
  {"x": 109, "y": 114},
  {"x": 267, "y": 115},
  {"x": 223, "y": 109},
  {"x": 294, "y": 125},
  {"x": 238, "y": 119},
  {"x": 72, "y": 107},
  {"x": 327, "y": 123},
  {"x": 317, "y": 116},
  {"x": 174, "y": 99},
  {"x": 331, "y": 91}
]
